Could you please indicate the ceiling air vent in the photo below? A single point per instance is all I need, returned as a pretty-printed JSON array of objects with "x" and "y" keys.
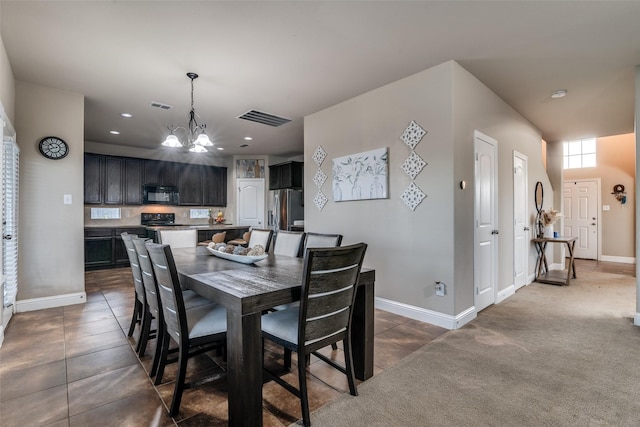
[
  {"x": 264, "y": 118},
  {"x": 160, "y": 105}
]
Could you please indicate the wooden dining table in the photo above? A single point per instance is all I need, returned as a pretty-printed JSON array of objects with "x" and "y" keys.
[{"x": 246, "y": 290}]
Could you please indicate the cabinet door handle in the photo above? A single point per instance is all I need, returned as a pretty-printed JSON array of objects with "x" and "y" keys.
[{"x": 7, "y": 237}]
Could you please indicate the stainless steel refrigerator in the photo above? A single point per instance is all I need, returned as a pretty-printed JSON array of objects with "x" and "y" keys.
[{"x": 287, "y": 207}]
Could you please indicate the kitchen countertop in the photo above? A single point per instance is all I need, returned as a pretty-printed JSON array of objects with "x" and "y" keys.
[{"x": 173, "y": 227}]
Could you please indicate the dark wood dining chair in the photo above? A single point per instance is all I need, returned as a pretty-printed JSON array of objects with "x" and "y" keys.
[
  {"x": 154, "y": 304},
  {"x": 137, "y": 318},
  {"x": 329, "y": 281},
  {"x": 196, "y": 330},
  {"x": 288, "y": 243}
]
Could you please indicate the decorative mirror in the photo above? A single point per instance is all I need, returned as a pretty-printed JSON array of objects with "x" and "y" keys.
[{"x": 539, "y": 196}]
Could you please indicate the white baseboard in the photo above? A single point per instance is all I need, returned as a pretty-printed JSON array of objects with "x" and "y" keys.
[
  {"x": 50, "y": 302},
  {"x": 505, "y": 293},
  {"x": 556, "y": 266},
  {"x": 636, "y": 319},
  {"x": 428, "y": 316},
  {"x": 1, "y": 336},
  {"x": 622, "y": 259}
]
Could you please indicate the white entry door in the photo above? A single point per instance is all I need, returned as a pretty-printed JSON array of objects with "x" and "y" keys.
[
  {"x": 520, "y": 220},
  {"x": 486, "y": 230},
  {"x": 581, "y": 216},
  {"x": 250, "y": 199}
]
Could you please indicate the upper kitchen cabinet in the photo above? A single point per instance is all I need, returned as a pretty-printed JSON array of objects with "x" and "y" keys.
[
  {"x": 157, "y": 172},
  {"x": 113, "y": 180},
  {"x": 93, "y": 179},
  {"x": 286, "y": 175},
  {"x": 190, "y": 186},
  {"x": 132, "y": 181},
  {"x": 214, "y": 186}
]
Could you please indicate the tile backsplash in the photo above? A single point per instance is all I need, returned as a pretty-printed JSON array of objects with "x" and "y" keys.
[{"x": 130, "y": 215}]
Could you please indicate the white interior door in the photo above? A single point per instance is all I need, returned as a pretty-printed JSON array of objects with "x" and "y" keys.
[
  {"x": 520, "y": 220},
  {"x": 581, "y": 216},
  {"x": 486, "y": 217},
  {"x": 250, "y": 199}
]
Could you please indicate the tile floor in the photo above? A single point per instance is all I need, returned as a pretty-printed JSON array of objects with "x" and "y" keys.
[{"x": 75, "y": 366}]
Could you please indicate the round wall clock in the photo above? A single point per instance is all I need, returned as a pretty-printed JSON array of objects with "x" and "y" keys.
[{"x": 53, "y": 147}]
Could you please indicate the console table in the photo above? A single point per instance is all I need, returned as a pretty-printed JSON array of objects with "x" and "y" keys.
[{"x": 554, "y": 277}]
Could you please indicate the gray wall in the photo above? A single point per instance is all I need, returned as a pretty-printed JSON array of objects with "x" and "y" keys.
[
  {"x": 410, "y": 250},
  {"x": 51, "y": 257}
]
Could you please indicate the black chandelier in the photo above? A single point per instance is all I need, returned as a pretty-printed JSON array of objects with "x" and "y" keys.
[{"x": 197, "y": 139}]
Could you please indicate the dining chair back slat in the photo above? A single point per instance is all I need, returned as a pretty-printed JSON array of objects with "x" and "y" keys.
[{"x": 148, "y": 278}]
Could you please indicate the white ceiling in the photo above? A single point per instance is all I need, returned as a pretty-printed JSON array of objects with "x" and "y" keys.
[{"x": 292, "y": 59}]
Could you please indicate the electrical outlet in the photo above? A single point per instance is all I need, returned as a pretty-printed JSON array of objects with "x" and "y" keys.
[{"x": 441, "y": 289}]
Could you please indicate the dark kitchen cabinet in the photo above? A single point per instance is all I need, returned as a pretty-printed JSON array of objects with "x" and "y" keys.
[
  {"x": 93, "y": 179},
  {"x": 132, "y": 181},
  {"x": 286, "y": 175},
  {"x": 159, "y": 173},
  {"x": 214, "y": 184},
  {"x": 190, "y": 178},
  {"x": 113, "y": 180},
  {"x": 103, "y": 247}
]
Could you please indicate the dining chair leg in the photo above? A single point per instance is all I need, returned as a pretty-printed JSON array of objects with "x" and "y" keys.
[
  {"x": 145, "y": 331},
  {"x": 135, "y": 317},
  {"x": 158, "y": 353},
  {"x": 163, "y": 358},
  {"x": 304, "y": 396},
  {"x": 287, "y": 359},
  {"x": 334, "y": 346},
  {"x": 348, "y": 362},
  {"x": 180, "y": 379}
]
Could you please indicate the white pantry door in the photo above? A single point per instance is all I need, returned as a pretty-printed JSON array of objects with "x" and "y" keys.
[
  {"x": 250, "y": 199},
  {"x": 486, "y": 217}
]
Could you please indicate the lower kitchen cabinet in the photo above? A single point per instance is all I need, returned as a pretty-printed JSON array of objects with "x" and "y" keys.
[{"x": 104, "y": 248}]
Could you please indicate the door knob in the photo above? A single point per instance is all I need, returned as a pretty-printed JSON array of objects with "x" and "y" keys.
[
  {"x": 7, "y": 237},
  {"x": 495, "y": 232},
  {"x": 526, "y": 229}
]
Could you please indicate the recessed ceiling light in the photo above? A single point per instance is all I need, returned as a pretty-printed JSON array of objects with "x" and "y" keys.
[
  {"x": 126, "y": 115},
  {"x": 244, "y": 145},
  {"x": 559, "y": 94},
  {"x": 248, "y": 138},
  {"x": 220, "y": 148},
  {"x": 114, "y": 132}
]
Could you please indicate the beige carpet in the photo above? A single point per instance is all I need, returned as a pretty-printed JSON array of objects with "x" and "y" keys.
[{"x": 547, "y": 356}]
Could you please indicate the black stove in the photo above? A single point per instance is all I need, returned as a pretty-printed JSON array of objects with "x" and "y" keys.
[{"x": 158, "y": 219}]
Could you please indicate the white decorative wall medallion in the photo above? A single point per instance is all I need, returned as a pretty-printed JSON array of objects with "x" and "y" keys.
[
  {"x": 412, "y": 196},
  {"x": 319, "y": 178},
  {"x": 320, "y": 200},
  {"x": 413, "y": 165},
  {"x": 413, "y": 134},
  {"x": 319, "y": 155}
]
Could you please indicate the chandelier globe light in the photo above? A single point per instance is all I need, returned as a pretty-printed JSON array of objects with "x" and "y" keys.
[{"x": 197, "y": 139}]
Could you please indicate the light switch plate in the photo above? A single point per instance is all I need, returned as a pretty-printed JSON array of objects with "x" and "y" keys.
[{"x": 606, "y": 207}]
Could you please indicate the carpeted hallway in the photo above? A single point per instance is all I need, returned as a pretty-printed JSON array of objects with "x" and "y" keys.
[{"x": 547, "y": 356}]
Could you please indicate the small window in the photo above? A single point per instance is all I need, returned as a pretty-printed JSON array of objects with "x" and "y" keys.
[{"x": 579, "y": 154}]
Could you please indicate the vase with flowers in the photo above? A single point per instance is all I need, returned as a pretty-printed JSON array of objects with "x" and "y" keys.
[{"x": 546, "y": 220}]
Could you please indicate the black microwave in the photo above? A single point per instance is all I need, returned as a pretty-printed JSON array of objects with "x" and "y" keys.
[{"x": 159, "y": 195}]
